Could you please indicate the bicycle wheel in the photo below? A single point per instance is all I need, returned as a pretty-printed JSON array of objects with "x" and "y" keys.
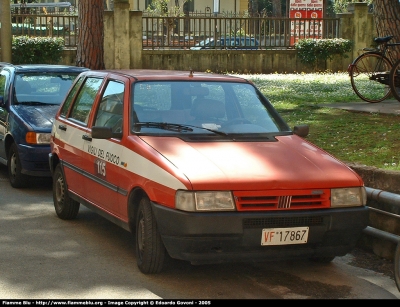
[
  {"x": 397, "y": 266},
  {"x": 394, "y": 80},
  {"x": 369, "y": 75}
]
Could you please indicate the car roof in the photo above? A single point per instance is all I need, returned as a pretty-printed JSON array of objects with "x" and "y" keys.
[
  {"x": 178, "y": 75},
  {"x": 43, "y": 67}
]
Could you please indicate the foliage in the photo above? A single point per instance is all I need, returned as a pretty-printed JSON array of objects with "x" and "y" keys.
[
  {"x": 310, "y": 50},
  {"x": 340, "y": 6},
  {"x": 370, "y": 139},
  {"x": 31, "y": 50},
  {"x": 161, "y": 8},
  {"x": 238, "y": 32}
]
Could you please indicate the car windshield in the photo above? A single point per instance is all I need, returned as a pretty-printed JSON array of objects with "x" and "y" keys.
[
  {"x": 44, "y": 88},
  {"x": 196, "y": 107}
]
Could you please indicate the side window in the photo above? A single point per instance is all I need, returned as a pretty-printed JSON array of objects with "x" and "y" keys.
[
  {"x": 84, "y": 101},
  {"x": 68, "y": 100},
  {"x": 188, "y": 6},
  {"x": 2, "y": 85},
  {"x": 3, "y": 80},
  {"x": 110, "y": 112}
]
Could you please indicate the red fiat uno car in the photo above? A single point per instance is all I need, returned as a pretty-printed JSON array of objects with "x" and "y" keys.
[{"x": 202, "y": 168}]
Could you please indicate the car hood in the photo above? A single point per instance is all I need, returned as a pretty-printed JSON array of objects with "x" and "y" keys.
[
  {"x": 288, "y": 163},
  {"x": 38, "y": 117}
]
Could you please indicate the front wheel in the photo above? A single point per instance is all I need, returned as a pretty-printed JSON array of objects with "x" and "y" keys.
[
  {"x": 150, "y": 251},
  {"x": 369, "y": 75},
  {"x": 66, "y": 208},
  {"x": 394, "y": 80},
  {"x": 17, "y": 179}
]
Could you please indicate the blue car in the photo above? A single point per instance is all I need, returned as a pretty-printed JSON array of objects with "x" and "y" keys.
[
  {"x": 30, "y": 96},
  {"x": 228, "y": 42}
]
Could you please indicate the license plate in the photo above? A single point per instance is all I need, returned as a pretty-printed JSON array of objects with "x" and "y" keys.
[{"x": 284, "y": 236}]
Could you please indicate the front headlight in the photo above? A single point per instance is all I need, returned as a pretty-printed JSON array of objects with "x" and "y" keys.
[
  {"x": 204, "y": 201},
  {"x": 348, "y": 197},
  {"x": 37, "y": 138}
]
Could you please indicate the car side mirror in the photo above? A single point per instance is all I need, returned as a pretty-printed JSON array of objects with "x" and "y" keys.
[
  {"x": 99, "y": 132},
  {"x": 301, "y": 130}
]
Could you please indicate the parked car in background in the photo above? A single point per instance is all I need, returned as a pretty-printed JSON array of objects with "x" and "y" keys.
[
  {"x": 200, "y": 167},
  {"x": 30, "y": 96},
  {"x": 229, "y": 42}
]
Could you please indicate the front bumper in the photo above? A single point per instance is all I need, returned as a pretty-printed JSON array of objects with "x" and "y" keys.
[
  {"x": 34, "y": 160},
  {"x": 236, "y": 236}
]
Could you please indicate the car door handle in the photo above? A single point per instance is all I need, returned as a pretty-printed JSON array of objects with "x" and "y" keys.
[
  {"x": 86, "y": 137},
  {"x": 62, "y": 127}
]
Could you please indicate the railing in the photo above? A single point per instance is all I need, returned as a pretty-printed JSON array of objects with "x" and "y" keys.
[
  {"x": 269, "y": 33},
  {"x": 51, "y": 25},
  {"x": 185, "y": 32}
]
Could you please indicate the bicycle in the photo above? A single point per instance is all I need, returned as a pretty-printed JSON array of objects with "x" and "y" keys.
[
  {"x": 370, "y": 72},
  {"x": 394, "y": 79}
]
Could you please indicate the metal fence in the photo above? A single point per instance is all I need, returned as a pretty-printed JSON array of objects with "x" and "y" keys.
[
  {"x": 269, "y": 32},
  {"x": 185, "y": 32},
  {"x": 50, "y": 25}
]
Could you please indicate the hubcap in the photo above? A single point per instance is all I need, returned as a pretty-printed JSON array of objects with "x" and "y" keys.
[
  {"x": 59, "y": 189},
  {"x": 13, "y": 166}
]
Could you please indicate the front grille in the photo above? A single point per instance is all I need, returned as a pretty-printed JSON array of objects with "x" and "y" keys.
[
  {"x": 282, "y": 200},
  {"x": 279, "y": 222},
  {"x": 42, "y": 166}
]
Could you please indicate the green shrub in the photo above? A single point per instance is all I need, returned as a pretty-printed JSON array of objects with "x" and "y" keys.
[
  {"x": 37, "y": 50},
  {"x": 311, "y": 51}
]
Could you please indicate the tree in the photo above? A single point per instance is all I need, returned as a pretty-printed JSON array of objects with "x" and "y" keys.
[
  {"x": 387, "y": 18},
  {"x": 90, "y": 46},
  {"x": 276, "y": 8}
]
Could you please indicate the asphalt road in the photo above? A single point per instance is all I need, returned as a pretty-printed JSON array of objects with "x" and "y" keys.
[{"x": 43, "y": 257}]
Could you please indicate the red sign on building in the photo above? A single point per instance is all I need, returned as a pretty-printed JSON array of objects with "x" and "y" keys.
[{"x": 309, "y": 24}]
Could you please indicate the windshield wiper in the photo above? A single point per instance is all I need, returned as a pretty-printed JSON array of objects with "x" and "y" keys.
[
  {"x": 175, "y": 127},
  {"x": 164, "y": 126},
  {"x": 33, "y": 103}
]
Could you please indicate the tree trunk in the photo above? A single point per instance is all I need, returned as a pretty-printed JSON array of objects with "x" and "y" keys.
[
  {"x": 90, "y": 50},
  {"x": 387, "y": 20},
  {"x": 276, "y": 8}
]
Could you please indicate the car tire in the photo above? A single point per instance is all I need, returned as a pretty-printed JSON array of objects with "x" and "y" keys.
[
  {"x": 150, "y": 251},
  {"x": 17, "y": 179},
  {"x": 66, "y": 208}
]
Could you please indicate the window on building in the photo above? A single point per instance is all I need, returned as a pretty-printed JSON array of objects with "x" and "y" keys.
[{"x": 188, "y": 6}]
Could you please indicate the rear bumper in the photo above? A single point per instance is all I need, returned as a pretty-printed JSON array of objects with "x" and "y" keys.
[{"x": 236, "y": 236}]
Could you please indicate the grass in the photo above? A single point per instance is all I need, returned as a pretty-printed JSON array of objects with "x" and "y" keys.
[{"x": 371, "y": 139}]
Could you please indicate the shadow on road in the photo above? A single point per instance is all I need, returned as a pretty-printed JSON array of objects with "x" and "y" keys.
[{"x": 34, "y": 182}]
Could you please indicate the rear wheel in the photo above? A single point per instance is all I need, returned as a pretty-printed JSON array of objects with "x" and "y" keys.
[
  {"x": 150, "y": 251},
  {"x": 369, "y": 75},
  {"x": 66, "y": 208},
  {"x": 17, "y": 179},
  {"x": 394, "y": 80}
]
